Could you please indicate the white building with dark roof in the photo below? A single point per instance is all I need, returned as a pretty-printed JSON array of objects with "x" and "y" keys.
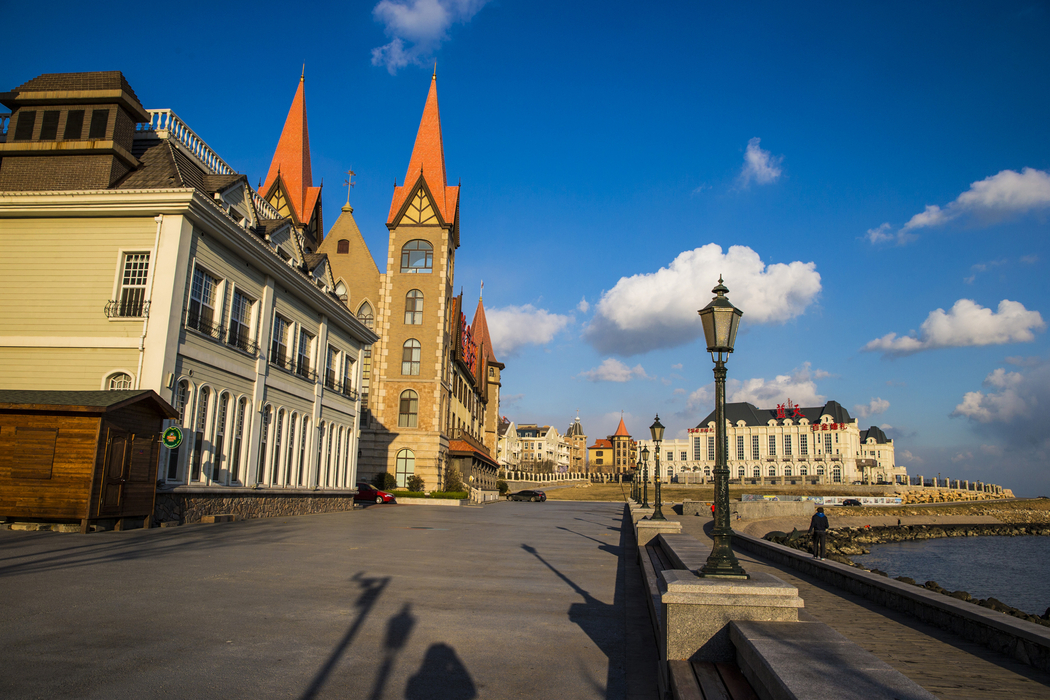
[{"x": 789, "y": 444}]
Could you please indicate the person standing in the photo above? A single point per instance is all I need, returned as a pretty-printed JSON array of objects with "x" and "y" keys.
[{"x": 818, "y": 528}]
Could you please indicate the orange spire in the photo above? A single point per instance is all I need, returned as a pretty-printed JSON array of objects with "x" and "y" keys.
[
  {"x": 291, "y": 161},
  {"x": 621, "y": 430},
  {"x": 480, "y": 328},
  {"x": 428, "y": 160}
]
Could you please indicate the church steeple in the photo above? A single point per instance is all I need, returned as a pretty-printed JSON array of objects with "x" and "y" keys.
[
  {"x": 428, "y": 162},
  {"x": 289, "y": 182}
]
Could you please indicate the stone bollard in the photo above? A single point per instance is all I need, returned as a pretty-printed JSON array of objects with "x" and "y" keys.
[{"x": 648, "y": 529}]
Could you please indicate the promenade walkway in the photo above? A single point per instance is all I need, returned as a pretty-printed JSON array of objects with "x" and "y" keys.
[{"x": 942, "y": 663}]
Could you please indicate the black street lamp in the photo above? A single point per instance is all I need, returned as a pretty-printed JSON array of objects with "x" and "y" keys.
[
  {"x": 656, "y": 430},
  {"x": 721, "y": 320},
  {"x": 645, "y": 477}
]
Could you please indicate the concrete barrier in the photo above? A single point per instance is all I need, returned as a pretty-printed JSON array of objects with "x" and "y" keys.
[
  {"x": 1024, "y": 641},
  {"x": 756, "y": 510}
]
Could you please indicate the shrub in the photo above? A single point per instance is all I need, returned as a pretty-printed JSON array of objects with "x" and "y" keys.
[
  {"x": 384, "y": 481},
  {"x": 415, "y": 483},
  {"x": 453, "y": 480},
  {"x": 503, "y": 488}
]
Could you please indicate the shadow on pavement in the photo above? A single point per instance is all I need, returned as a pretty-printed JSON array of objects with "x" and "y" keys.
[
  {"x": 398, "y": 630},
  {"x": 442, "y": 677},
  {"x": 371, "y": 589}
]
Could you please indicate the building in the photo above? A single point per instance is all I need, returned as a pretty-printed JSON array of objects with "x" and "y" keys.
[
  {"x": 615, "y": 454},
  {"x": 136, "y": 258},
  {"x": 784, "y": 445},
  {"x": 577, "y": 441},
  {"x": 431, "y": 385},
  {"x": 542, "y": 449}
]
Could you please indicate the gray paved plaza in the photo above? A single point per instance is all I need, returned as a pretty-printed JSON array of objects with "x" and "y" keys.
[{"x": 510, "y": 600}]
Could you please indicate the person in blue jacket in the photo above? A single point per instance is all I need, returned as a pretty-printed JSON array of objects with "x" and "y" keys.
[{"x": 818, "y": 528}]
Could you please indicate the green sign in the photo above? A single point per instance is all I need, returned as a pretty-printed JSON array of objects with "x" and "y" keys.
[{"x": 172, "y": 437}]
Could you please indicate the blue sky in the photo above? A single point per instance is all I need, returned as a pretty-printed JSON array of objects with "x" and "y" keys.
[{"x": 870, "y": 178}]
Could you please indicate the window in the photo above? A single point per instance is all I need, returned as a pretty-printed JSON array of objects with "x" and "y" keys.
[
  {"x": 827, "y": 443},
  {"x": 787, "y": 470},
  {"x": 49, "y": 125},
  {"x": 754, "y": 447},
  {"x": 417, "y": 257},
  {"x": 261, "y": 467},
  {"x": 240, "y": 323},
  {"x": 24, "y": 127},
  {"x": 74, "y": 124},
  {"x": 836, "y": 475},
  {"x": 238, "y": 440},
  {"x": 756, "y": 472},
  {"x": 304, "y": 430},
  {"x": 342, "y": 247},
  {"x": 410, "y": 355},
  {"x": 220, "y": 436},
  {"x": 289, "y": 459},
  {"x": 740, "y": 472},
  {"x": 275, "y": 462},
  {"x": 409, "y": 409},
  {"x": 99, "y": 124},
  {"x": 803, "y": 471},
  {"x": 348, "y": 373},
  {"x": 740, "y": 447},
  {"x": 787, "y": 446},
  {"x": 120, "y": 380},
  {"x": 670, "y": 455},
  {"x": 279, "y": 347},
  {"x": 406, "y": 467},
  {"x": 134, "y": 273},
  {"x": 820, "y": 470},
  {"x": 182, "y": 396},
  {"x": 710, "y": 448},
  {"x": 202, "y": 302},
  {"x": 772, "y": 445},
  {"x": 772, "y": 471},
  {"x": 803, "y": 444},
  {"x": 414, "y": 308},
  {"x": 306, "y": 344},
  {"x": 330, "y": 366},
  {"x": 202, "y": 421},
  {"x": 684, "y": 455}
]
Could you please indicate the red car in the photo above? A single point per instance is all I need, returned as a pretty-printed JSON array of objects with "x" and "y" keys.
[{"x": 369, "y": 494}]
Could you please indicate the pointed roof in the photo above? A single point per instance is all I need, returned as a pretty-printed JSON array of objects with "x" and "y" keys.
[
  {"x": 621, "y": 430},
  {"x": 291, "y": 160},
  {"x": 428, "y": 162},
  {"x": 480, "y": 327}
]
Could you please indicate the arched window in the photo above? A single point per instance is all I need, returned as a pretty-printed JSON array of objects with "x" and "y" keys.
[
  {"x": 414, "y": 308},
  {"x": 772, "y": 471},
  {"x": 340, "y": 291},
  {"x": 410, "y": 357},
  {"x": 289, "y": 461},
  {"x": 120, "y": 380},
  {"x": 365, "y": 315},
  {"x": 406, "y": 467},
  {"x": 220, "y": 437},
  {"x": 740, "y": 472},
  {"x": 787, "y": 471},
  {"x": 803, "y": 470},
  {"x": 836, "y": 475},
  {"x": 342, "y": 247},
  {"x": 408, "y": 411},
  {"x": 304, "y": 430},
  {"x": 757, "y": 472},
  {"x": 417, "y": 256},
  {"x": 263, "y": 438},
  {"x": 820, "y": 470},
  {"x": 182, "y": 397},
  {"x": 238, "y": 440},
  {"x": 275, "y": 461}
]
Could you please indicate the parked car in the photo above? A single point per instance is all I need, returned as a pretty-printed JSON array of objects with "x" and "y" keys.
[
  {"x": 527, "y": 496},
  {"x": 851, "y": 502},
  {"x": 370, "y": 494}
]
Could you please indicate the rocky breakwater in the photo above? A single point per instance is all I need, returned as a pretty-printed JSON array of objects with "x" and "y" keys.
[{"x": 851, "y": 541}]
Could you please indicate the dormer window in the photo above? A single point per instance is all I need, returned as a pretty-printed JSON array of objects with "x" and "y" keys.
[
  {"x": 99, "y": 123},
  {"x": 74, "y": 125},
  {"x": 24, "y": 127}
]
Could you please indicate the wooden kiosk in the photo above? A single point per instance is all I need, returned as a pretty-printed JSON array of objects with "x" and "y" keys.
[{"x": 80, "y": 455}]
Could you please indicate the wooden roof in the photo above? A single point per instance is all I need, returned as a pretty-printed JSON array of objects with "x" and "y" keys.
[{"x": 96, "y": 402}]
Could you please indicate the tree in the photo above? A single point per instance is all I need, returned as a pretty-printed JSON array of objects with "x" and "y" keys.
[
  {"x": 453, "y": 479},
  {"x": 415, "y": 483},
  {"x": 384, "y": 481}
]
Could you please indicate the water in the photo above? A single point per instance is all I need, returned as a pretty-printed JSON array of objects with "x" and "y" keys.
[{"x": 1014, "y": 570}]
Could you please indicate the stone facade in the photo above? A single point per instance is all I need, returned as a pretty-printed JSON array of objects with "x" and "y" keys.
[{"x": 190, "y": 505}]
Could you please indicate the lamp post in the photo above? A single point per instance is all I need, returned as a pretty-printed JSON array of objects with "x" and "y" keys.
[
  {"x": 721, "y": 320},
  {"x": 656, "y": 430},
  {"x": 645, "y": 477}
]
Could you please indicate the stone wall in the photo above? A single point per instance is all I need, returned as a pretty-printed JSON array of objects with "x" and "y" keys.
[{"x": 186, "y": 505}]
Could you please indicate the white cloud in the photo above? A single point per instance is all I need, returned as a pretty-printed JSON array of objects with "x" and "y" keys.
[
  {"x": 612, "y": 370},
  {"x": 874, "y": 407},
  {"x": 799, "y": 386},
  {"x": 701, "y": 400},
  {"x": 584, "y": 306},
  {"x": 1007, "y": 193},
  {"x": 659, "y": 309},
  {"x": 909, "y": 458},
  {"x": 513, "y": 327},
  {"x": 1007, "y": 400},
  {"x": 417, "y": 28},
  {"x": 759, "y": 166},
  {"x": 882, "y": 234},
  {"x": 966, "y": 324},
  {"x": 677, "y": 366}
]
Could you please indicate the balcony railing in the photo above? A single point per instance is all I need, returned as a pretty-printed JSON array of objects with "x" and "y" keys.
[
  {"x": 127, "y": 308},
  {"x": 242, "y": 341},
  {"x": 205, "y": 326},
  {"x": 288, "y": 364}
]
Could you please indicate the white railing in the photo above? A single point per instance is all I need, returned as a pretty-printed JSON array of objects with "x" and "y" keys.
[
  {"x": 167, "y": 124},
  {"x": 165, "y": 120}
]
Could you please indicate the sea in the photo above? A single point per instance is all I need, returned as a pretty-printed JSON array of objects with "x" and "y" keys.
[{"x": 1014, "y": 570}]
